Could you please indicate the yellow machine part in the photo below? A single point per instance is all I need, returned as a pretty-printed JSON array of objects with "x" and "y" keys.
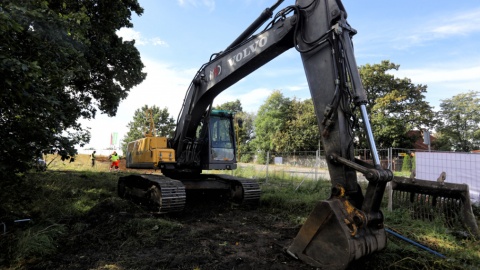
[{"x": 147, "y": 152}]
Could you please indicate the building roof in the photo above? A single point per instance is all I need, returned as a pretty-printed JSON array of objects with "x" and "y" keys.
[{"x": 418, "y": 143}]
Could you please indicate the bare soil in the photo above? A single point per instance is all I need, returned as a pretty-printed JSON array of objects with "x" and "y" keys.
[{"x": 212, "y": 233}]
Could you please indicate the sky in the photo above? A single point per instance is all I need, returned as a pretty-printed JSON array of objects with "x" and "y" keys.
[{"x": 435, "y": 42}]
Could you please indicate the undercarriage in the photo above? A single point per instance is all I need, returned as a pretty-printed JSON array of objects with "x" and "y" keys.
[{"x": 164, "y": 194}]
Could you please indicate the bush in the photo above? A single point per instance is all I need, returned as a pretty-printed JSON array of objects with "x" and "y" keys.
[
  {"x": 408, "y": 164},
  {"x": 246, "y": 158}
]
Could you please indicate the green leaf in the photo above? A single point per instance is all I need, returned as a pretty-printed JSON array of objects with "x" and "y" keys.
[{"x": 55, "y": 73}]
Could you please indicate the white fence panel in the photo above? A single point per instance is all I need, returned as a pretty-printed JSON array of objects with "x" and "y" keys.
[{"x": 461, "y": 168}]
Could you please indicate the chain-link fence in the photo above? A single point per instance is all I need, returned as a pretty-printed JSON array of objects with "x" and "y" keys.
[
  {"x": 304, "y": 164},
  {"x": 312, "y": 165}
]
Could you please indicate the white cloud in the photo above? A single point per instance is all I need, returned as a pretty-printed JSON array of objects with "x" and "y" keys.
[
  {"x": 460, "y": 24},
  {"x": 165, "y": 86},
  {"x": 433, "y": 75},
  {"x": 443, "y": 83},
  {"x": 251, "y": 100},
  {"x": 299, "y": 87},
  {"x": 210, "y": 4},
  {"x": 158, "y": 41},
  {"x": 130, "y": 34}
]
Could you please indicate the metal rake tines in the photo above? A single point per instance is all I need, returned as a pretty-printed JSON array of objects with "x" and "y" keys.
[
  {"x": 430, "y": 207},
  {"x": 430, "y": 200}
]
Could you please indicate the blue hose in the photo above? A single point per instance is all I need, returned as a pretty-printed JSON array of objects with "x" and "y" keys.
[{"x": 414, "y": 243}]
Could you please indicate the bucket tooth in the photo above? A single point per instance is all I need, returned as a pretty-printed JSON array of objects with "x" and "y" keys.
[{"x": 336, "y": 234}]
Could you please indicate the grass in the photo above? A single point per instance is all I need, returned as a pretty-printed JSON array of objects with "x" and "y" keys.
[
  {"x": 52, "y": 202},
  {"x": 461, "y": 252},
  {"x": 60, "y": 201},
  {"x": 38, "y": 241},
  {"x": 292, "y": 199},
  {"x": 48, "y": 201},
  {"x": 82, "y": 163}
]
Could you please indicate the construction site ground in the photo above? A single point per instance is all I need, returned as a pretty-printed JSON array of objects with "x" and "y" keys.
[
  {"x": 207, "y": 235},
  {"x": 211, "y": 233}
]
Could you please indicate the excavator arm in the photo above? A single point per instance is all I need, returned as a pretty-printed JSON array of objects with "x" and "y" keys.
[
  {"x": 241, "y": 58},
  {"x": 348, "y": 225},
  {"x": 318, "y": 30}
]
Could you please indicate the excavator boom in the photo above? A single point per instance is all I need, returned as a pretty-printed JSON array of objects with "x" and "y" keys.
[{"x": 342, "y": 228}]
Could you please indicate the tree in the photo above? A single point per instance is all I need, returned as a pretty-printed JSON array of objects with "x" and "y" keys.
[
  {"x": 245, "y": 135},
  {"x": 59, "y": 61},
  {"x": 234, "y": 106},
  {"x": 301, "y": 133},
  {"x": 395, "y": 106},
  {"x": 286, "y": 125},
  {"x": 164, "y": 124},
  {"x": 460, "y": 128},
  {"x": 441, "y": 142},
  {"x": 271, "y": 121}
]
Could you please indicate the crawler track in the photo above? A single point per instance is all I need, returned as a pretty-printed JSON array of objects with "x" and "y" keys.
[
  {"x": 165, "y": 194},
  {"x": 161, "y": 193},
  {"x": 244, "y": 190}
]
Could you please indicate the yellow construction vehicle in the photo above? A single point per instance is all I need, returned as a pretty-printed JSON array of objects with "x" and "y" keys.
[{"x": 147, "y": 152}]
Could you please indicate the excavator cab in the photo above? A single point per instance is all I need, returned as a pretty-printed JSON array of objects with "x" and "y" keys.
[{"x": 221, "y": 142}]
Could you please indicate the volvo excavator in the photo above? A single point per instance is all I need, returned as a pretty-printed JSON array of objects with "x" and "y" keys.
[{"x": 341, "y": 229}]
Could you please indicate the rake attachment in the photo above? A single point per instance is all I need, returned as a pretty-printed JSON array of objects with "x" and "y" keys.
[{"x": 428, "y": 200}]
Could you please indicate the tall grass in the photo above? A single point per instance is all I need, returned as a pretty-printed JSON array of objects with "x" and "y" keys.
[
  {"x": 37, "y": 241},
  {"x": 49, "y": 202}
]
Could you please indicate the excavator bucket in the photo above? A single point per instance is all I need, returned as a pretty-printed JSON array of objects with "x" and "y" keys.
[
  {"x": 429, "y": 200},
  {"x": 336, "y": 234}
]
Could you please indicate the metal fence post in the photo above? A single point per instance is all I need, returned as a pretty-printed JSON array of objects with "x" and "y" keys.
[
  {"x": 390, "y": 158},
  {"x": 266, "y": 164},
  {"x": 389, "y": 187}
]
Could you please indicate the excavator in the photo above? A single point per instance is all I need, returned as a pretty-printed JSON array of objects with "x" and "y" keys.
[{"x": 341, "y": 229}]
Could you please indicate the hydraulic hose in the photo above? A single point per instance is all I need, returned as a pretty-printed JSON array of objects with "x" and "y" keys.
[{"x": 414, "y": 243}]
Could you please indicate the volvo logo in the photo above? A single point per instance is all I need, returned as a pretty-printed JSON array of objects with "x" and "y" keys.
[
  {"x": 252, "y": 48},
  {"x": 215, "y": 72}
]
